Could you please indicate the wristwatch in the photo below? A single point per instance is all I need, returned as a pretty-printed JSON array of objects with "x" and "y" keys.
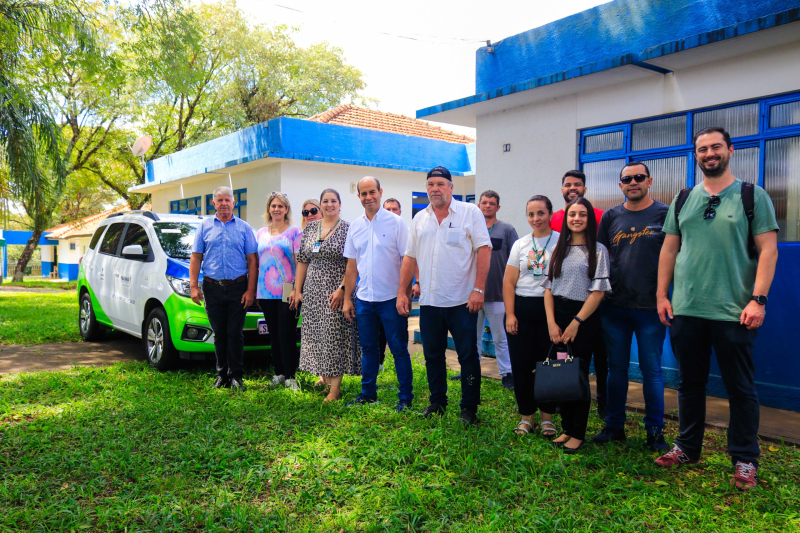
[
  {"x": 760, "y": 300},
  {"x": 341, "y": 287},
  {"x": 476, "y": 289}
]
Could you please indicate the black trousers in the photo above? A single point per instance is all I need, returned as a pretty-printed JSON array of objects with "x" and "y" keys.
[
  {"x": 526, "y": 348},
  {"x": 226, "y": 315},
  {"x": 282, "y": 325},
  {"x": 692, "y": 340},
  {"x": 575, "y": 415}
]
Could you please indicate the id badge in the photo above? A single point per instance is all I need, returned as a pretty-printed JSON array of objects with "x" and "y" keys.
[
  {"x": 315, "y": 249},
  {"x": 538, "y": 271},
  {"x": 452, "y": 235},
  {"x": 287, "y": 291}
]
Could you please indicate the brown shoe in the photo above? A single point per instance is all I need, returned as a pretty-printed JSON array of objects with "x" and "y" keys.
[
  {"x": 746, "y": 476},
  {"x": 675, "y": 457}
]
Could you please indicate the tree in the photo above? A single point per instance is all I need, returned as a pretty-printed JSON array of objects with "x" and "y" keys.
[{"x": 30, "y": 141}]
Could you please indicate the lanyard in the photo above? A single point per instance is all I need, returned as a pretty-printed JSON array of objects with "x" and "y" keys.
[
  {"x": 493, "y": 225},
  {"x": 533, "y": 239},
  {"x": 329, "y": 231}
]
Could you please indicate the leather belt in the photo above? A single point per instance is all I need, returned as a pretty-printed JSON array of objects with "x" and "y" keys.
[{"x": 223, "y": 282}]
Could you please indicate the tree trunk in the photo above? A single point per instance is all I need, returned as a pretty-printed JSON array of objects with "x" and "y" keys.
[{"x": 27, "y": 253}]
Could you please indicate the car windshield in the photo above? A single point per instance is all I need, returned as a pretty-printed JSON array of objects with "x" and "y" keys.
[{"x": 176, "y": 238}]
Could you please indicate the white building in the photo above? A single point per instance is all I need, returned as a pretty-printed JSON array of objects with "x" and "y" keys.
[
  {"x": 634, "y": 80},
  {"x": 300, "y": 158}
]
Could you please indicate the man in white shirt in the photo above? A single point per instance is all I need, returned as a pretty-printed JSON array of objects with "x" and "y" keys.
[
  {"x": 374, "y": 251},
  {"x": 449, "y": 242}
]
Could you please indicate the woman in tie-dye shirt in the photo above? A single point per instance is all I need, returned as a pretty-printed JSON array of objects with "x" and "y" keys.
[{"x": 278, "y": 244}]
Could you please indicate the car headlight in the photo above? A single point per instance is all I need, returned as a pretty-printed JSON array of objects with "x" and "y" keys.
[{"x": 180, "y": 286}]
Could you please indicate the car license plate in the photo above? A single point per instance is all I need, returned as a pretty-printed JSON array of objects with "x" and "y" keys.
[{"x": 262, "y": 327}]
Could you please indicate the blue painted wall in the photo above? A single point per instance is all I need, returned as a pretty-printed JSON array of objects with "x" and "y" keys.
[
  {"x": 47, "y": 267},
  {"x": 68, "y": 271},
  {"x": 313, "y": 141},
  {"x": 20, "y": 238},
  {"x": 609, "y": 30}
]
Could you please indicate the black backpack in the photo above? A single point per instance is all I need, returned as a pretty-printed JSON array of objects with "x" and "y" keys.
[{"x": 748, "y": 202}]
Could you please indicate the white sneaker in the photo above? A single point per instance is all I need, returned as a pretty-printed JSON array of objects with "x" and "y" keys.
[
  {"x": 292, "y": 384},
  {"x": 380, "y": 368},
  {"x": 277, "y": 381}
]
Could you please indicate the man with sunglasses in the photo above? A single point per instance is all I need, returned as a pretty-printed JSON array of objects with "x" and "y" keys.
[
  {"x": 718, "y": 301},
  {"x": 632, "y": 233}
]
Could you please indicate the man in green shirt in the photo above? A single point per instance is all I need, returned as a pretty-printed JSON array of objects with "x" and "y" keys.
[{"x": 718, "y": 301}]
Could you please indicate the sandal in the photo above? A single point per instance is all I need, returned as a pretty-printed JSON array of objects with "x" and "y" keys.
[
  {"x": 548, "y": 430},
  {"x": 573, "y": 451},
  {"x": 329, "y": 399},
  {"x": 521, "y": 429}
]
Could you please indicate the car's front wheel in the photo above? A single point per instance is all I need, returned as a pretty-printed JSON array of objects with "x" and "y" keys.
[
  {"x": 161, "y": 353},
  {"x": 87, "y": 323}
]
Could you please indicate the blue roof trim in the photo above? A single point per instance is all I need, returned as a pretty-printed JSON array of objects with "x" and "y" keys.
[
  {"x": 584, "y": 70},
  {"x": 761, "y": 23},
  {"x": 303, "y": 140}
]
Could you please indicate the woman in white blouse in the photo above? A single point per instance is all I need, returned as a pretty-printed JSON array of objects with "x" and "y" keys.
[
  {"x": 526, "y": 320},
  {"x": 576, "y": 282}
]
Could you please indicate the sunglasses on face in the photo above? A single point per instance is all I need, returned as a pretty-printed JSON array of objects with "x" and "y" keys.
[
  {"x": 312, "y": 211},
  {"x": 712, "y": 203},
  {"x": 638, "y": 177}
]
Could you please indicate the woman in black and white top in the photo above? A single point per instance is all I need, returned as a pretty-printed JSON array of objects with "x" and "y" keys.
[
  {"x": 526, "y": 321},
  {"x": 576, "y": 282}
]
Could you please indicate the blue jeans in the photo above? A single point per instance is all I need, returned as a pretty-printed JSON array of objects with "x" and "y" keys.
[
  {"x": 619, "y": 325},
  {"x": 370, "y": 315},
  {"x": 434, "y": 323}
]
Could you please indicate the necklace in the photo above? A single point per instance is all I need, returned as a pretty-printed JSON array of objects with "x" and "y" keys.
[
  {"x": 273, "y": 228},
  {"x": 536, "y": 259},
  {"x": 319, "y": 235}
]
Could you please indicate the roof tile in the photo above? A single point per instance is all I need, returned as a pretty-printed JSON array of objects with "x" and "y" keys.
[{"x": 87, "y": 225}]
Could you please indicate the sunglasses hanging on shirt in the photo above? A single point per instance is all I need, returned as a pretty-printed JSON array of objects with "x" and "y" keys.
[{"x": 710, "y": 212}]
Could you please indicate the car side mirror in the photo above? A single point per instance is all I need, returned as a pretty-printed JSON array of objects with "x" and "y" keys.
[{"x": 133, "y": 251}]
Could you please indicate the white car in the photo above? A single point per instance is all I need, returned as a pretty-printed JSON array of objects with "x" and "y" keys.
[{"x": 134, "y": 278}]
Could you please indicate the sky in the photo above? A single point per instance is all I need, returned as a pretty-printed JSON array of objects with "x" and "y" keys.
[{"x": 415, "y": 53}]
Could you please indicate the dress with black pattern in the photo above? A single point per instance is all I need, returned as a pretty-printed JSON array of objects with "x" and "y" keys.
[{"x": 329, "y": 342}]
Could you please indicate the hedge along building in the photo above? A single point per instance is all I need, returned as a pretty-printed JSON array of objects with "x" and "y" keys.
[
  {"x": 633, "y": 80},
  {"x": 301, "y": 158}
]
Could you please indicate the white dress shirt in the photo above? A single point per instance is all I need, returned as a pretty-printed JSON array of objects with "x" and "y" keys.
[
  {"x": 446, "y": 253},
  {"x": 377, "y": 246}
]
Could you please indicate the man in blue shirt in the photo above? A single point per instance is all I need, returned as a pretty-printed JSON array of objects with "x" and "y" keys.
[{"x": 226, "y": 248}]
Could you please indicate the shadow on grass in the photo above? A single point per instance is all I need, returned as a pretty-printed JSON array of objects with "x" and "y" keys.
[{"x": 128, "y": 447}]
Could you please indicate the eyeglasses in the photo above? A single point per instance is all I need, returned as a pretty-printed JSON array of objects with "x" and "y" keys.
[
  {"x": 312, "y": 211},
  {"x": 712, "y": 203},
  {"x": 638, "y": 177}
]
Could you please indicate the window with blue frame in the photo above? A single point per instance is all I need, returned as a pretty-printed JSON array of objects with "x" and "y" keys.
[
  {"x": 186, "y": 206},
  {"x": 419, "y": 201},
  {"x": 766, "y": 140},
  {"x": 239, "y": 208}
]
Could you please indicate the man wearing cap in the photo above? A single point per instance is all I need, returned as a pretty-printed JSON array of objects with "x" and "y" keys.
[{"x": 450, "y": 244}]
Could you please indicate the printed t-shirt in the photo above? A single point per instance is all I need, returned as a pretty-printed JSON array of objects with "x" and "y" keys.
[
  {"x": 276, "y": 264},
  {"x": 558, "y": 218},
  {"x": 714, "y": 275},
  {"x": 527, "y": 260},
  {"x": 633, "y": 240},
  {"x": 503, "y": 237}
]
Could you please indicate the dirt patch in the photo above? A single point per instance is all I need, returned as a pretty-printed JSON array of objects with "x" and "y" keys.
[{"x": 64, "y": 355}]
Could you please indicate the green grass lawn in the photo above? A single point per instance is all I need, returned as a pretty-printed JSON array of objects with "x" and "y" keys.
[
  {"x": 42, "y": 284},
  {"x": 126, "y": 448},
  {"x": 38, "y": 317}
]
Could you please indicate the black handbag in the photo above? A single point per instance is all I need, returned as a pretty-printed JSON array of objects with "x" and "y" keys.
[{"x": 560, "y": 380}]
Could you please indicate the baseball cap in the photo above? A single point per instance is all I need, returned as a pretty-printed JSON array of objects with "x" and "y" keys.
[{"x": 439, "y": 172}]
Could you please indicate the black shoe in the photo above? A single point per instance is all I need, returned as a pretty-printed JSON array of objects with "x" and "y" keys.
[
  {"x": 656, "y": 442},
  {"x": 402, "y": 406},
  {"x": 602, "y": 412},
  {"x": 573, "y": 451},
  {"x": 237, "y": 385},
  {"x": 431, "y": 410},
  {"x": 609, "y": 434},
  {"x": 508, "y": 381},
  {"x": 221, "y": 383},
  {"x": 361, "y": 400},
  {"x": 456, "y": 377},
  {"x": 468, "y": 417}
]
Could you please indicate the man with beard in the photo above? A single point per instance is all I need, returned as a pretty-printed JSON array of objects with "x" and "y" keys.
[
  {"x": 573, "y": 185},
  {"x": 633, "y": 234},
  {"x": 718, "y": 299},
  {"x": 450, "y": 243}
]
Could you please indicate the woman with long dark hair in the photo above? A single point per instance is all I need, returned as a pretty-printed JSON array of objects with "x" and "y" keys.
[
  {"x": 526, "y": 320},
  {"x": 577, "y": 280}
]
